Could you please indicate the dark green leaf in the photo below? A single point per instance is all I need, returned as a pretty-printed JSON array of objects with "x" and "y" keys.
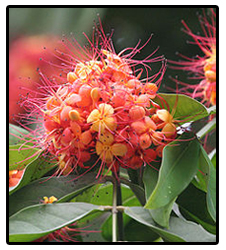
[
  {"x": 102, "y": 194},
  {"x": 179, "y": 230},
  {"x": 192, "y": 204},
  {"x": 143, "y": 216},
  {"x": 36, "y": 221},
  {"x": 63, "y": 188},
  {"x": 135, "y": 176},
  {"x": 92, "y": 223},
  {"x": 160, "y": 215},
  {"x": 138, "y": 190},
  {"x": 211, "y": 183},
  {"x": 201, "y": 178},
  {"x": 150, "y": 178},
  {"x": 211, "y": 193},
  {"x": 179, "y": 166},
  {"x": 135, "y": 231}
]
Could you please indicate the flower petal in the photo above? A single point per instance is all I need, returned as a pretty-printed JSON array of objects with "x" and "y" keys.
[
  {"x": 99, "y": 147},
  {"x": 164, "y": 115},
  {"x": 106, "y": 137},
  {"x": 119, "y": 149},
  {"x": 94, "y": 115},
  {"x": 106, "y": 109}
]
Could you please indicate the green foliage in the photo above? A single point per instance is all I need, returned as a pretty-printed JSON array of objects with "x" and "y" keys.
[
  {"x": 64, "y": 188},
  {"x": 193, "y": 206},
  {"x": 21, "y": 155},
  {"x": 179, "y": 229},
  {"x": 179, "y": 166},
  {"x": 37, "y": 221}
]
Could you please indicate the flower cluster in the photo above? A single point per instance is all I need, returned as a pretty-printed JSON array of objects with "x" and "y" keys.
[
  {"x": 204, "y": 67},
  {"x": 104, "y": 111}
]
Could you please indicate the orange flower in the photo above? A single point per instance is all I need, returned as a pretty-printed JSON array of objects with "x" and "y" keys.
[
  {"x": 169, "y": 128},
  {"x": 107, "y": 149},
  {"x": 102, "y": 118}
]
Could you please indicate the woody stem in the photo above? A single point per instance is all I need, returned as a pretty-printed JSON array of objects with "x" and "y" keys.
[
  {"x": 114, "y": 213},
  {"x": 117, "y": 197}
]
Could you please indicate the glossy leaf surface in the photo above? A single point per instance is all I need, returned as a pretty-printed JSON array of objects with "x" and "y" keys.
[
  {"x": 36, "y": 221},
  {"x": 179, "y": 166}
]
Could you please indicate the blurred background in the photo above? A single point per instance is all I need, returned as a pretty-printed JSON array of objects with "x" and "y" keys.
[{"x": 44, "y": 26}]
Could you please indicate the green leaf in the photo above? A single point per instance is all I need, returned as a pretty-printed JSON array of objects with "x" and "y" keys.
[
  {"x": 39, "y": 220},
  {"x": 135, "y": 231},
  {"x": 102, "y": 194},
  {"x": 180, "y": 229},
  {"x": 213, "y": 160},
  {"x": 211, "y": 183},
  {"x": 211, "y": 193},
  {"x": 160, "y": 215},
  {"x": 179, "y": 166},
  {"x": 93, "y": 224},
  {"x": 34, "y": 171},
  {"x": 189, "y": 231},
  {"x": 192, "y": 205},
  {"x": 18, "y": 135},
  {"x": 186, "y": 108},
  {"x": 150, "y": 178},
  {"x": 201, "y": 178},
  {"x": 137, "y": 190},
  {"x": 206, "y": 181},
  {"x": 21, "y": 155},
  {"x": 64, "y": 188},
  {"x": 143, "y": 216}
]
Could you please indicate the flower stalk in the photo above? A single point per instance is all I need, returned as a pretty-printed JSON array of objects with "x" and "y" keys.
[
  {"x": 117, "y": 216},
  {"x": 114, "y": 213}
]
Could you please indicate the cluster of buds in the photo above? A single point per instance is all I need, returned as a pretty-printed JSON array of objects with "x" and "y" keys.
[
  {"x": 104, "y": 110},
  {"x": 204, "y": 67}
]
